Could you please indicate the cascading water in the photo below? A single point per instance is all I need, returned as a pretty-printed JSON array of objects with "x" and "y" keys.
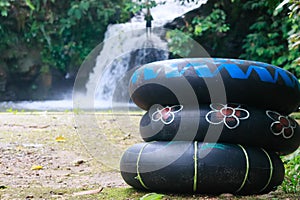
[
  {"x": 129, "y": 50},
  {"x": 127, "y": 46}
]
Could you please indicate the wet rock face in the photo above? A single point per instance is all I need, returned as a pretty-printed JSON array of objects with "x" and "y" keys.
[
  {"x": 27, "y": 66},
  {"x": 3, "y": 76},
  {"x": 19, "y": 67},
  {"x": 23, "y": 76}
]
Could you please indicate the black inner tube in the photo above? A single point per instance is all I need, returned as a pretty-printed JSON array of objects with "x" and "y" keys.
[
  {"x": 238, "y": 124},
  {"x": 201, "y": 168},
  {"x": 247, "y": 82}
]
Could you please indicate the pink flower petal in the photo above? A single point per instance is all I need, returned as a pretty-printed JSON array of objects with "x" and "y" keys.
[
  {"x": 216, "y": 106},
  {"x": 156, "y": 116},
  {"x": 214, "y": 117},
  {"x": 273, "y": 115},
  {"x": 176, "y": 108},
  {"x": 227, "y": 111},
  {"x": 242, "y": 113},
  {"x": 231, "y": 122},
  {"x": 288, "y": 133},
  {"x": 276, "y": 128},
  {"x": 284, "y": 121},
  {"x": 169, "y": 119}
]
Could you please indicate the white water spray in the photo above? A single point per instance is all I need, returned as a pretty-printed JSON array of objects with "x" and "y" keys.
[{"x": 127, "y": 45}]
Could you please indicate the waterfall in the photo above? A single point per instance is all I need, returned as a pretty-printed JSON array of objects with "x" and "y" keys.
[
  {"x": 127, "y": 46},
  {"x": 121, "y": 54}
]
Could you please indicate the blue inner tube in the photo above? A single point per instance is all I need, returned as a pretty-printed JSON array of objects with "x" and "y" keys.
[
  {"x": 230, "y": 123},
  {"x": 201, "y": 168},
  {"x": 246, "y": 82}
]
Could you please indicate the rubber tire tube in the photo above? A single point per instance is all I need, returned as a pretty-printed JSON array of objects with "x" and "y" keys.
[
  {"x": 246, "y": 82},
  {"x": 237, "y": 124},
  {"x": 183, "y": 167}
]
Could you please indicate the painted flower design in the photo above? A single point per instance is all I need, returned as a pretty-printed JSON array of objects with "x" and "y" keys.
[
  {"x": 229, "y": 114},
  {"x": 166, "y": 114},
  {"x": 282, "y": 125}
]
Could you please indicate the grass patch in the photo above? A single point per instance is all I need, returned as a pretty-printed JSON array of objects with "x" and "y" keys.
[
  {"x": 120, "y": 194},
  {"x": 295, "y": 115},
  {"x": 125, "y": 193},
  {"x": 291, "y": 183},
  {"x": 68, "y": 193}
]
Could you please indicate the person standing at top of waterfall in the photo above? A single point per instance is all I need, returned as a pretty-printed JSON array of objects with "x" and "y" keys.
[{"x": 148, "y": 19}]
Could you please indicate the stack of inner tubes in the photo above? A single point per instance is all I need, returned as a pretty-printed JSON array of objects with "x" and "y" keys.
[{"x": 212, "y": 126}]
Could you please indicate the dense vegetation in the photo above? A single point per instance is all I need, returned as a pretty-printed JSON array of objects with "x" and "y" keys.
[
  {"x": 65, "y": 31},
  {"x": 267, "y": 31},
  {"x": 40, "y": 38}
]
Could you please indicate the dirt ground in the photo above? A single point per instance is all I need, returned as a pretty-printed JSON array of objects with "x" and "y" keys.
[{"x": 52, "y": 142}]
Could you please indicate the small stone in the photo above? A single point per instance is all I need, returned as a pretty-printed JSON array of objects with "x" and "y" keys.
[
  {"x": 226, "y": 195},
  {"x": 2, "y": 187},
  {"x": 79, "y": 162}
]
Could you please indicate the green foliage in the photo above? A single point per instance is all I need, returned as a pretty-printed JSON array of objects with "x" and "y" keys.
[
  {"x": 29, "y": 4},
  {"x": 11, "y": 110},
  {"x": 213, "y": 23},
  {"x": 180, "y": 40},
  {"x": 273, "y": 36},
  {"x": 4, "y": 7},
  {"x": 136, "y": 6},
  {"x": 179, "y": 43},
  {"x": 269, "y": 37},
  {"x": 296, "y": 115},
  {"x": 188, "y": 1},
  {"x": 77, "y": 111},
  {"x": 152, "y": 196},
  {"x": 291, "y": 183},
  {"x": 293, "y": 33},
  {"x": 64, "y": 31}
]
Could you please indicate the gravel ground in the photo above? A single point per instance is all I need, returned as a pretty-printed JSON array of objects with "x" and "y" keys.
[{"x": 45, "y": 151}]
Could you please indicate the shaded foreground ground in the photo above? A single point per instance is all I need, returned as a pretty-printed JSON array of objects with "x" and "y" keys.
[{"x": 43, "y": 156}]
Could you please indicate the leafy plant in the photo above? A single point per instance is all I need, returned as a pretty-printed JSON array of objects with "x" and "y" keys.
[
  {"x": 180, "y": 39},
  {"x": 293, "y": 33},
  {"x": 65, "y": 32},
  {"x": 4, "y": 7},
  {"x": 295, "y": 115},
  {"x": 137, "y": 6},
  {"x": 179, "y": 43},
  {"x": 291, "y": 183},
  {"x": 213, "y": 23},
  {"x": 270, "y": 37},
  {"x": 152, "y": 196},
  {"x": 11, "y": 110}
]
